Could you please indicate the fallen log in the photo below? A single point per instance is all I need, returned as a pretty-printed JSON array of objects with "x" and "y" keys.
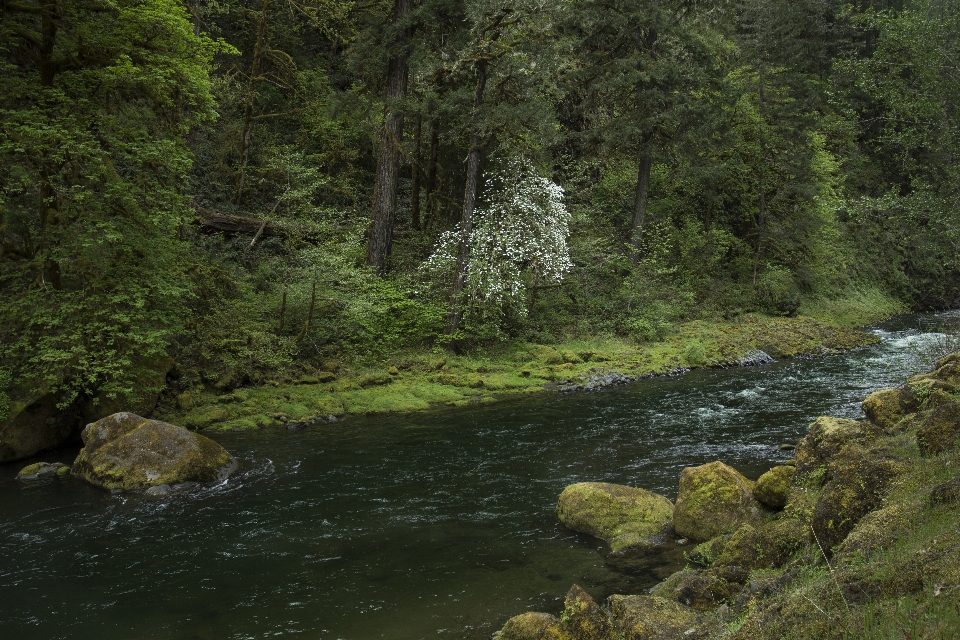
[{"x": 213, "y": 222}]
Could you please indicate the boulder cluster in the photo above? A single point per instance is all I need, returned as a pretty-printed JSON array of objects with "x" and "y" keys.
[
  {"x": 749, "y": 533},
  {"x": 127, "y": 452}
]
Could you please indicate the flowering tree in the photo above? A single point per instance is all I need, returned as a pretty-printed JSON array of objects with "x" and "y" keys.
[{"x": 519, "y": 241}]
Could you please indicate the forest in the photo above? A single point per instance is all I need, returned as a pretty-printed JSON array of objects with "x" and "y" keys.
[{"x": 249, "y": 187}]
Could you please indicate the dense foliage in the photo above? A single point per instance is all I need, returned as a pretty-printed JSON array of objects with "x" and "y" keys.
[{"x": 250, "y": 183}]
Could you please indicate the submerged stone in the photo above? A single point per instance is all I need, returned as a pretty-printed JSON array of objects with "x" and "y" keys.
[
  {"x": 621, "y": 516},
  {"x": 714, "y": 499},
  {"x": 125, "y": 451}
]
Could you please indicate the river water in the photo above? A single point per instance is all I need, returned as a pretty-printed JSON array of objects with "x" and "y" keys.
[{"x": 434, "y": 525}]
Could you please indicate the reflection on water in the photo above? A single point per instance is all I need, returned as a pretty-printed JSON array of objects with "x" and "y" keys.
[{"x": 427, "y": 526}]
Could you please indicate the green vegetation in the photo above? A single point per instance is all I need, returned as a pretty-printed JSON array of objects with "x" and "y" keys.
[
  {"x": 258, "y": 190},
  {"x": 866, "y": 546}
]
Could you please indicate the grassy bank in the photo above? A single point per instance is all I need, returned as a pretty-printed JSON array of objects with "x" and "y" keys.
[{"x": 414, "y": 381}]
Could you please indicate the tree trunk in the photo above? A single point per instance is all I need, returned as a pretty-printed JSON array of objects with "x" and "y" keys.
[
  {"x": 641, "y": 199},
  {"x": 49, "y": 211},
  {"x": 247, "y": 129},
  {"x": 433, "y": 204},
  {"x": 762, "y": 218},
  {"x": 388, "y": 158},
  {"x": 415, "y": 174},
  {"x": 469, "y": 204}
]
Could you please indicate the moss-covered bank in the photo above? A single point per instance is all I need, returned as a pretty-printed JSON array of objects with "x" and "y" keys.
[
  {"x": 418, "y": 381},
  {"x": 862, "y": 541}
]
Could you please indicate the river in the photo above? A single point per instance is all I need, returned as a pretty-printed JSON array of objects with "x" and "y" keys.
[{"x": 432, "y": 525}]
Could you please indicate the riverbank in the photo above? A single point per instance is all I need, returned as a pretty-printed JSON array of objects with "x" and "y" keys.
[
  {"x": 420, "y": 381},
  {"x": 865, "y": 543}
]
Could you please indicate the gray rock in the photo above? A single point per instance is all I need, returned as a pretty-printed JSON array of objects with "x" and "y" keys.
[
  {"x": 125, "y": 451},
  {"x": 159, "y": 490},
  {"x": 754, "y": 358}
]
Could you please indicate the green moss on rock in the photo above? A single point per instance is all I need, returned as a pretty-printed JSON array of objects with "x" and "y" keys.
[
  {"x": 705, "y": 591},
  {"x": 706, "y": 553},
  {"x": 650, "y": 618},
  {"x": 827, "y": 436},
  {"x": 859, "y": 479},
  {"x": 938, "y": 398},
  {"x": 668, "y": 587},
  {"x": 621, "y": 516},
  {"x": 938, "y": 429},
  {"x": 583, "y": 619},
  {"x": 714, "y": 499},
  {"x": 42, "y": 470},
  {"x": 773, "y": 487},
  {"x": 126, "y": 451},
  {"x": 885, "y": 408},
  {"x": 531, "y": 626}
]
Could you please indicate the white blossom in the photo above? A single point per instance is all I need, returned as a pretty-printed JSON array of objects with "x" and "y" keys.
[{"x": 519, "y": 240}]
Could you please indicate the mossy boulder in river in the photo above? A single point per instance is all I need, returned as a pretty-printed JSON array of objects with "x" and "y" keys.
[
  {"x": 621, "y": 516},
  {"x": 714, "y": 499},
  {"x": 126, "y": 451},
  {"x": 773, "y": 487}
]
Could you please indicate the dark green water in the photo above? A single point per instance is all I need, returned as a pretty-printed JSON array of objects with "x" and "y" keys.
[{"x": 425, "y": 526}]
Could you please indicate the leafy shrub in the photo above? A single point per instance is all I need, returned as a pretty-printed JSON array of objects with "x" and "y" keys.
[{"x": 777, "y": 291}]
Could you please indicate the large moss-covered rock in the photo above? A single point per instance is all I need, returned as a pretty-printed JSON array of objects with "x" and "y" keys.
[
  {"x": 885, "y": 408},
  {"x": 938, "y": 429},
  {"x": 621, "y": 516},
  {"x": 650, "y": 618},
  {"x": 532, "y": 626},
  {"x": 773, "y": 487},
  {"x": 35, "y": 423},
  {"x": 583, "y": 619},
  {"x": 858, "y": 479},
  {"x": 714, "y": 499},
  {"x": 126, "y": 451},
  {"x": 827, "y": 436}
]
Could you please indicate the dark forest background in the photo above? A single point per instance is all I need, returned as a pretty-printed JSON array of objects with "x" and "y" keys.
[{"x": 246, "y": 184}]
